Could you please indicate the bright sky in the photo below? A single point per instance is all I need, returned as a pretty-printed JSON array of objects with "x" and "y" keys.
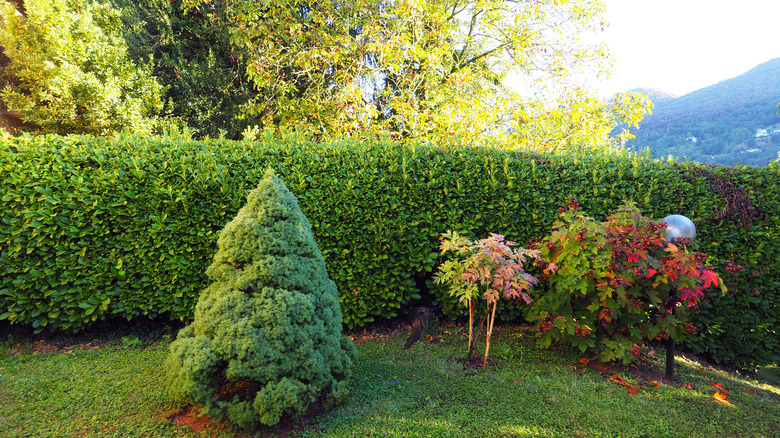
[{"x": 684, "y": 45}]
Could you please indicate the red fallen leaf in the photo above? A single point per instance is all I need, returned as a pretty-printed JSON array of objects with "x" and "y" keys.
[
  {"x": 619, "y": 380},
  {"x": 654, "y": 383},
  {"x": 16, "y": 345},
  {"x": 718, "y": 385},
  {"x": 721, "y": 397},
  {"x": 688, "y": 386},
  {"x": 752, "y": 391},
  {"x": 517, "y": 382},
  {"x": 584, "y": 361},
  {"x": 631, "y": 390}
]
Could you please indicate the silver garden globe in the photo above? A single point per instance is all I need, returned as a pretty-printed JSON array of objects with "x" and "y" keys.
[{"x": 679, "y": 226}]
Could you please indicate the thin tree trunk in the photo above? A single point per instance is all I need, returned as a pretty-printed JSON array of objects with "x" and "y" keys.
[
  {"x": 471, "y": 329},
  {"x": 491, "y": 320}
]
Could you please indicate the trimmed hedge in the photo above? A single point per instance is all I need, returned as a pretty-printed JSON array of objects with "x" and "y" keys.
[{"x": 95, "y": 227}]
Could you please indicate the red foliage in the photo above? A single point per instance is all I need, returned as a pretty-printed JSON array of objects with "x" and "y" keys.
[{"x": 622, "y": 280}]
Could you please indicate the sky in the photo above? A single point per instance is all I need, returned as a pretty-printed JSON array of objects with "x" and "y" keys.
[{"x": 681, "y": 46}]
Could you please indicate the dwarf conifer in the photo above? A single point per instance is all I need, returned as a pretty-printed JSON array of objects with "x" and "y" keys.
[{"x": 265, "y": 344}]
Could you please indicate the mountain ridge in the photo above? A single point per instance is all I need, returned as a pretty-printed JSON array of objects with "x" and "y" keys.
[{"x": 719, "y": 123}]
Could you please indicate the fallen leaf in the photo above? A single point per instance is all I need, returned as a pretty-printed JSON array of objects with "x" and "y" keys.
[
  {"x": 631, "y": 390},
  {"x": 718, "y": 385},
  {"x": 654, "y": 383},
  {"x": 721, "y": 397},
  {"x": 752, "y": 391},
  {"x": 688, "y": 385},
  {"x": 619, "y": 380},
  {"x": 517, "y": 382},
  {"x": 584, "y": 361}
]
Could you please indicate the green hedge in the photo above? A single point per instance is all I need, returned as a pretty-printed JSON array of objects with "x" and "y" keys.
[{"x": 126, "y": 227}]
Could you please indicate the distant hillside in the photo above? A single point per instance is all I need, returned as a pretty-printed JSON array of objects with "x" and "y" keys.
[
  {"x": 734, "y": 121},
  {"x": 657, "y": 96}
]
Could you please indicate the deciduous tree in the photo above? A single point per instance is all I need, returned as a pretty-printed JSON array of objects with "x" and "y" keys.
[{"x": 423, "y": 69}]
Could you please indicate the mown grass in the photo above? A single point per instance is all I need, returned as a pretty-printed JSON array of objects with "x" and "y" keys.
[{"x": 116, "y": 388}]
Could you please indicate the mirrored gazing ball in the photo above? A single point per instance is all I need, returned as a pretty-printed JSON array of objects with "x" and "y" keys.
[{"x": 678, "y": 226}]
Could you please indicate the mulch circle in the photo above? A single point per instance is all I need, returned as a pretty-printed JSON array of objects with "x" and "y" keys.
[{"x": 192, "y": 417}]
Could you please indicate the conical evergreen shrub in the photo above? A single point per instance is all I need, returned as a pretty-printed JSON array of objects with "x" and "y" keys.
[{"x": 265, "y": 344}]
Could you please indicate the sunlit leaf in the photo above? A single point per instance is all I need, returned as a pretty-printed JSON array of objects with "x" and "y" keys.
[
  {"x": 710, "y": 278},
  {"x": 722, "y": 396}
]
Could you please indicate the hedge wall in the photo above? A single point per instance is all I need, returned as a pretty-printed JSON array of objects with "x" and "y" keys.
[{"x": 94, "y": 227}]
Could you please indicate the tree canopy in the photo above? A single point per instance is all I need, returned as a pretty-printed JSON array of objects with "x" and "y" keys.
[
  {"x": 437, "y": 70},
  {"x": 422, "y": 69}
]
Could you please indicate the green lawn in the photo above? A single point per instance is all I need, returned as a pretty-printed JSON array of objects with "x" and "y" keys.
[{"x": 114, "y": 387}]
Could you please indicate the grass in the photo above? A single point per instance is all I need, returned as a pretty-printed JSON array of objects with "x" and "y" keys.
[{"x": 114, "y": 387}]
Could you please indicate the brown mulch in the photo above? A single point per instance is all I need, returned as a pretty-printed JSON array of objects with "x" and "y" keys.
[
  {"x": 192, "y": 417},
  {"x": 203, "y": 425}
]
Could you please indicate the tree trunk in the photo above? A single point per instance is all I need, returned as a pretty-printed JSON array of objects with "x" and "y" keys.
[
  {"x": 490, "y": 322},
  {"x": 471, "y": 330}
]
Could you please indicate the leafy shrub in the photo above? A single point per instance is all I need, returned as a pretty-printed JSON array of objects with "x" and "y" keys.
[
  {"x": 617, "y": 283},
  {"x": 68, "y": 71},
  {"x": 266, "y": 340},
  {"x": 488, "y": 268}
]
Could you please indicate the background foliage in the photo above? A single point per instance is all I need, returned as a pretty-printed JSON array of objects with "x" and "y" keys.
[
  {"x": 65, "y": 69},
  {"x": 93, "y": 228},
  {"x": 414, "y": 70},
  {"x": 206, "y": 85},
  {"x": 462, "y": 70}
]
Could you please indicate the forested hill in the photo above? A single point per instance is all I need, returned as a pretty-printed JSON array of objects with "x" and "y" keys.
[
  {"x": 657, "y": 96},
  {"x": 734, "y": 121}
]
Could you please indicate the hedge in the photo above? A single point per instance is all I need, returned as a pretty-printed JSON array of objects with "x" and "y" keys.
[{"x": 94, "y": 228}]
